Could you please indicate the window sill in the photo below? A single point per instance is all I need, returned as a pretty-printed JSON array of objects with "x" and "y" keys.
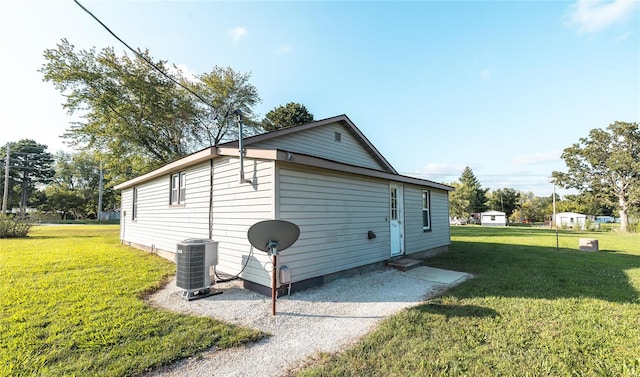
[{"x": 426, "y": 230}]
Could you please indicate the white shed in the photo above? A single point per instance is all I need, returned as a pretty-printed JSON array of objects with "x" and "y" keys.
[
  {"x": 493, "y": 218},
  {"x": 570, "y": 219},
  {"x": 354, "y": 210}
]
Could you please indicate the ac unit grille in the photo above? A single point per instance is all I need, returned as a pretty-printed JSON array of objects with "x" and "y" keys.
[{"x": 191, "y": 270}]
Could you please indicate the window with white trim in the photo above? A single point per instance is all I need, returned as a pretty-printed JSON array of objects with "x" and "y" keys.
[
  {"x": 178, "y": 189},
  {"x": 426, "y": 210},
  {"x": 134, "y": 209}
]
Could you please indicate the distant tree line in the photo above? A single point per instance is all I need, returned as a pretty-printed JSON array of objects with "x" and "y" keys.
[{"x": 604, "y": 168}]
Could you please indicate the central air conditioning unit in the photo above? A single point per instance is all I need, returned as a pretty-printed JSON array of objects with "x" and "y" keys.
[{"x": 194, "y": 257}]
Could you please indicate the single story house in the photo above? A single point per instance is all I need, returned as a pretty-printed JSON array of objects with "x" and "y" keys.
[
  {"x": 570, "y": 219},
  {"x": 354, "y": 210},
  {"x": 493, "y": 218}
]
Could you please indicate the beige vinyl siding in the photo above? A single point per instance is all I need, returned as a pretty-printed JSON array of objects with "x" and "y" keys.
[
  {"x": 320, "y": 142},
  {"x": 334, "y": 212},
  {"x": 160, "y": 225},
  {"x": 416, "y": 239},
  {"x": 237, "y": 206}
]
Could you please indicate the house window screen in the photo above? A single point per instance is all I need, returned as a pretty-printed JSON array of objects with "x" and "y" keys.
[
  {"x": 426, "y": 210},
  {"x": 178, "y": 188}
]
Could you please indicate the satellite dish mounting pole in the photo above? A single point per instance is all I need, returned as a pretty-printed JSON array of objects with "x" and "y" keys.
[
  {"x": 272, "y": 246},
  {"x": 272, "y": 236}
]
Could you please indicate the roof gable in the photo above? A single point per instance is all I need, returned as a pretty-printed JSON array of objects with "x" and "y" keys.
[
  {"x": 575, "y": 214},
  {"x": 382, "y": 170},
  {"x": 493, "y": 213},
  {"x": 336, "y": 139}
]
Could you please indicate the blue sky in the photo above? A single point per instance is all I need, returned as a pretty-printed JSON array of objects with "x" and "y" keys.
[{"x": 502, "y": 87}]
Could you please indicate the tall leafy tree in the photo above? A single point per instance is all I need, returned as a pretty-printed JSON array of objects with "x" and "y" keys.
[
  {"x": 606, "y": 164},
  {"x": 29, "y": 165},
  {"x": 126, "y": 107},
  {"x": 291, "y": 114},
  {"x": 228, "y": 92}
]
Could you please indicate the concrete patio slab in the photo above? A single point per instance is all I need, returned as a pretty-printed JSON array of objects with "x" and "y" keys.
[{"x": 437, "y": 275}]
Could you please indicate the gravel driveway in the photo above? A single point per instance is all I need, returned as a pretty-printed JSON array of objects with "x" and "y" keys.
[{"x": 324, "y": 319}]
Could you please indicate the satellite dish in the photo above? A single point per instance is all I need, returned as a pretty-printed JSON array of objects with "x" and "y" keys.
[
  {"x": 262, "y": 235},
  {"x": 272, "y": 236}
]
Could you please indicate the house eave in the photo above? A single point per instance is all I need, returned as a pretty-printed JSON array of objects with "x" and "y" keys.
[
  {"x": 172, "y": 167},
  {"x": 280, "y": 156},
  {"x": 306, "y": 160}
]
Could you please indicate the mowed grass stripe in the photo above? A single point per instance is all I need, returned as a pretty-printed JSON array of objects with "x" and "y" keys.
[
  {"x": 71, "y": 305},
  {"x": 529, "y": 311}
]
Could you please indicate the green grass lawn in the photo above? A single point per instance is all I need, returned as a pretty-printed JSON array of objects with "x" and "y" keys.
[
  {"x": 70, "y": 305},
  {"x": 529, "y": 311}
]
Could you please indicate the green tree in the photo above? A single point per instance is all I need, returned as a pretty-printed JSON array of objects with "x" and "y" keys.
[
  {"x": 459, "y": 204},
  {"x": 468, "y": 197},
  {"x": 477, "y": 196},
  {"x": 606, "y": 164},
  {"x": 29, "y": 166},
  {"x": 504, "y": 200},
  {"x": 127, "y": 108},
  {"x": 78, "y": 175},
  {"x": 586, "y": 203},
  {"x": 535, "y": 209},
  {"x": 291, "y": 114},
  {"x": 227, "y": 92},
  {"x": 64, "y": 201}
]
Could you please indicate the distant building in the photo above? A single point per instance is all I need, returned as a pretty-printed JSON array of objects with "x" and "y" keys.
[
  {"x": 493, "y": 218},
  {"x": 571, "y": 219}
]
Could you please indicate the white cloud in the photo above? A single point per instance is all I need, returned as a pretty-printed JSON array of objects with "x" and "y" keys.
[
  {"x": 591, "y": 16},
  {"x": 237, "y": 33},
  {"x": 537, "y": 158},
  {"x": 485, "y": 74},
  {"x": 285, "y": 49}
]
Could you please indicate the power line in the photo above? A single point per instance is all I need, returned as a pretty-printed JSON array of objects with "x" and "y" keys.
[
  {"x": 479, "y": 175},
  {"x": 141, "y": 56}
]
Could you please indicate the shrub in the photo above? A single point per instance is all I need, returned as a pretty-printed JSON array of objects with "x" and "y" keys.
[
  {"x": 13, "y": 227},
  {"x": 589, "y": 225}
]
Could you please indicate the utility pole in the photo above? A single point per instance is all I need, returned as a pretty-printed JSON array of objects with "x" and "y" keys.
[
  {"x": 100, "y": 194},
  {"x": 553, "y": 219},
  {"x": 5, "y": 197}
]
